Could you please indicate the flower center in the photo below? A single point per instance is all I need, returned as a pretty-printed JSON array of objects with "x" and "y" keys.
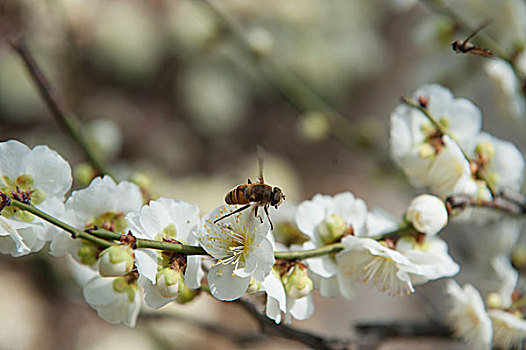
[
  {"x": 239, "y": 243},
  {"x": 109, "y": 220},
  {"x": 21, "y": 189}
]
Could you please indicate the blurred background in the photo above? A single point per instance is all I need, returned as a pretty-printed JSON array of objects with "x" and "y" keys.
[{"x": 177, "y": 94}]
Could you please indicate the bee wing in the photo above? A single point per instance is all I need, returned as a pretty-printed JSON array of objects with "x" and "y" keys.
[
  {"x": 261, "y": 154},
  {"x": 481, "y": 52},
  {"x": 484, "y": 25}
]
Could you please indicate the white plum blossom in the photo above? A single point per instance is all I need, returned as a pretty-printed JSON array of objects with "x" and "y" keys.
[
  {"x": 326, "y": 219},
  {"x": 431, "y": 256},
  {"x": 508, "y": 278},
  {"x": 104, "y": 204},
  {"x": 164, "y": 275},
  {"x": 509, "y": 330},
  {"x": 500, "y": 161},
  {"x": 370, "y": 261},
  {"x": 40, "y": 176},
  {"x": 428, "y": 157},
  {"x": 117, "y": 300},
  {"x": 468, "y": 316},
  {"x": 508, "y": 88},
  {"x": 278, "y": 300},
  {"x": 243, "y": 251},
  {"x": 427, "y": 214}
]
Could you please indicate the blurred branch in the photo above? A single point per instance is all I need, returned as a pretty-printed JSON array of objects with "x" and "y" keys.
[
  {"x": 61, "y": 114},
  {"x": 292, "y": 88},
  {"x": 500, "y": 202},
  {"x": 270, "y": 328},
  {"x": 381, "y": 331}
]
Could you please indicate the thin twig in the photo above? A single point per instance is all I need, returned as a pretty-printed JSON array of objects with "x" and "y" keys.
[
  {"x": 269, "y": 327},
  {"x": 463, "y": 202},
  {"x": 62, "y": 115}
]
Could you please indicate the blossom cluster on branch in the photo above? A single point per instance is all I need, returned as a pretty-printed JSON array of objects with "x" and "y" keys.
[{"x": 123, "y": 250}]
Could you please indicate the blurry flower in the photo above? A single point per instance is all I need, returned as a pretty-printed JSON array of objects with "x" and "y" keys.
[
  {"x": 103, "y": 204},
  {"x": 162, "y": 273},
  {"x": 39, "y": 176},
  {"x": 239, "y": 243},
  {"x": 468, "y": 316},
  {"x": 507, "y": 87},
  {"x": 427, "y": 214},
  {"x": 509, "y": 330},
  {"x": 371, "y": 261},
  {"x": 508, "y": 278},
  {"x": 105, "y": 136},
  {"x": 126, "y": 41},
  {"x": 261, "y": 41},
  {"x": 499, "y": 161},
  {"x": 314, "y": 126}
]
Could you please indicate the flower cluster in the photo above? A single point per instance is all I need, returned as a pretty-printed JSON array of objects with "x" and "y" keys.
[
  {"x": 439, "y": 144},
  {"x": 117, "y": 274}
]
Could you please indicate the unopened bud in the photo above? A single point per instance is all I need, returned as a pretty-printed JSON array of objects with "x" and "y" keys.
[
  {"x": 427, "y": 214},
  {"x": 297, "y": 282},
  {"x": 169, "y": 282},
  {"x": 331, "y": 229},
  {"x": 116, "y": 261},
  {"x": 88, "y": 254}
]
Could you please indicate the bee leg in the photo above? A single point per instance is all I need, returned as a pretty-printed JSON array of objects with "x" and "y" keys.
[
  {"x": 256, "y": 214},
  {"x": 234, "y": 212},
  {"x": 249, "y": 182},
  {"x": 268, "y": 216}
]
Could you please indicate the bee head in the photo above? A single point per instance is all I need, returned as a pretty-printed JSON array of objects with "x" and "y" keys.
[{"x": 277, "y": 197}]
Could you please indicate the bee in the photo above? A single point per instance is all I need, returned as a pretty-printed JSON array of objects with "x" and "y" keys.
[
  {"x": 467, "y": 47},
  {"x": 257, "y": 194}
]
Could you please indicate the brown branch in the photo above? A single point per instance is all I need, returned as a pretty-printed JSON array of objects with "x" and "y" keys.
[
  {"x": 270, "y": 328},
  {"x": 501, "y": 202},
  {"x": 62, "y": 115}
]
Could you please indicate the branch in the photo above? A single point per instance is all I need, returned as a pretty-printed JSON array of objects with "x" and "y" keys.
[
  {"x": 75, "y": 233},
  {"x": 61, "y": 114},
  {"x": 270, "y": 328},
  {"x": 408, "y": 329},
  {"x": 501, "y": 203}
]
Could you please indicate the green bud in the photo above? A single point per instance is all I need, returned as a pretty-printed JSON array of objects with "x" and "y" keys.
[
  {"x": 169, "y": 282},
  {"x": 297, "y": 282},
  {"x": 331, "y": 229},
  {"x": 116, "y": 261},
  {"x": 24, "y": 182},
  {"x": 121, "y": 285},
  {"x": 88, "y": 254}
]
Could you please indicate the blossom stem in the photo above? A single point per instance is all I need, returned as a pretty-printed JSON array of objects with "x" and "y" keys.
[
  {"x": 312, "y": 253},
  {"x": 75, "y": 233},
  {"x": 62, "y": 115}
]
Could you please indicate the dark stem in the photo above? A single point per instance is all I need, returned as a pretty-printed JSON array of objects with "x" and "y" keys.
[{"x": 270, "y": 328}]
